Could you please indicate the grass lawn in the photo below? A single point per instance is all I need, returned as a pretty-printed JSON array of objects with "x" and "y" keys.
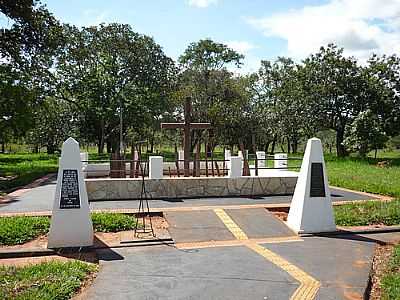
[
  {"x": 390, "y": 282},
  {"x": 19, "y": 230},
  {"x": 20, "y": 169},
  {"x": 365, "y": 175},
  {"x": 50, "y": 280},
  {"x": 368, "y": 213}
]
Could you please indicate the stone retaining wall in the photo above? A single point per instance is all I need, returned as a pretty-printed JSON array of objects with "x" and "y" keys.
[{"x": 190, "y": 187}]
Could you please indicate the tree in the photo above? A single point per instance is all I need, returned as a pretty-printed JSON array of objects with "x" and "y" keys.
[
  {"x": 334, "y": 85},
  {"x": 206, "y": 79},
  {"x": 54, "y": 123},
  {"x": 110, "y": 68},
  {"x": 365, "y": 133}
]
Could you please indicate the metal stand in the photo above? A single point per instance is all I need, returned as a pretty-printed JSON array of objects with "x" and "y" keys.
[{"x": 144, "y": 209}]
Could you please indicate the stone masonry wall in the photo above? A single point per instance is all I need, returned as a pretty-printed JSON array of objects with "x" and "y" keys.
[{"x": 190, "y": 187}]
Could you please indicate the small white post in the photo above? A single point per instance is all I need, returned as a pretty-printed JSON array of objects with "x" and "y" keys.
[
  {"x": 227, "y": 158},
  {"x": 181, "y": 157},
  {"x": 236, "y": 167},
  {"x": 156, "y": 167},
  {"x": 311, "y": 208},
  {"x": 261, "y": 161},
  {"x": 84, "y": 160},
  {"x": 280, "y": 161},
  {"x": 71, "y": 223}
]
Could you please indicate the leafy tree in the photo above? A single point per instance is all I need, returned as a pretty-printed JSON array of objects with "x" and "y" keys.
[
  {"x": 108, "y": 68},
  {"x": 334, "y": 85},
  {"x": 365, "y": 133},
  {"x": 54, "y": 123},
  {"x": 206, "y": 79}
]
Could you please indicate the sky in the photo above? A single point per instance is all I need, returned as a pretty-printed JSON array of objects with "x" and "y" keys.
[{"x": 259, "y": 29}]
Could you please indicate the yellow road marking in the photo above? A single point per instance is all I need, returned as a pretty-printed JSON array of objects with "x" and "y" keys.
[
  {"x": 228, "y": 243},
  {"x": 308, "y": 285},
  {"x": 236, "y": 231}
]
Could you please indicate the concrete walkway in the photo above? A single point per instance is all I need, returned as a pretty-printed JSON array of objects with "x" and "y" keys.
[
  {"x": 225, "y": 253},
  {"x": 318, "y": 267}
]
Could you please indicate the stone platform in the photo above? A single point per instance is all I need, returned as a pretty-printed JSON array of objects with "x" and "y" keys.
[{"x": 276, "y": 183}]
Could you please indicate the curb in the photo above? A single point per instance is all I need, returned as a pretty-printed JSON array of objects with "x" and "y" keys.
[{"x": 35, "y": 252}]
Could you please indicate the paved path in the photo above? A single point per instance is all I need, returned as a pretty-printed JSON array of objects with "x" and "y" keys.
[
  {"x": 335, "y": 267},
  {"x": 41, "y": 199},
  {"x": 224, "y": 253}
]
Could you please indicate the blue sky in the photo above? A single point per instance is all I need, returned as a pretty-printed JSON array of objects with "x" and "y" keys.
[{"x": 260, "y": 29}]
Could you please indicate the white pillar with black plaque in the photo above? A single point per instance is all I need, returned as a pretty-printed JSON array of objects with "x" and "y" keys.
[
  {"x": 311, "y": 208},
  {"x": 71, "y": 224}
]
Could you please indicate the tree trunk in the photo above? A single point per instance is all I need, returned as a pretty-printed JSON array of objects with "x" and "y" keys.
[
  {"x": 266, "y": 147},
  {"x": 273, "y": 144},
  {"x": 340, "y": 148},
  {"x": 3, "y": 147}
]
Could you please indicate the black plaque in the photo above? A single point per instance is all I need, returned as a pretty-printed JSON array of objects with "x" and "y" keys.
[
  {"x": 317, "y": 187},
  {"x": 70, "y": 190}
]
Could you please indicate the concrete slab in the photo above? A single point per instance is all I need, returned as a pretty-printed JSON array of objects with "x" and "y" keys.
[
  {"x": 196, "y": 226},
  {"x": 167, "y": 273},
  {"x": 341, "y": 263},
  {"x": 259, "y": 223}
]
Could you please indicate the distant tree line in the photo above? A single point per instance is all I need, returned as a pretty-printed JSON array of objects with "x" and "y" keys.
[{"x": 58, "y": 80}]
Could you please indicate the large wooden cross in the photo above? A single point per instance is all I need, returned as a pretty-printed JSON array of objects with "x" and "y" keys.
[{"x": 186, "y": 126}]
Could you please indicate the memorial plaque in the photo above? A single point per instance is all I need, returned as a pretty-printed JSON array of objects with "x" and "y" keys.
[
  {"x": 317, "y": 187},
  {"x": 70, "y": 189}
]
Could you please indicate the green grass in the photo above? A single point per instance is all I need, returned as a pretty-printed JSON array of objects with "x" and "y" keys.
[
  {"x": 24, "y": 168},
  {"x": 50, "y": 280},
  {"x": 112, "y": 222},
  {"x": 368, "y": 213},
  {"x": 22, "y": 229},
  {"x": 364, "y": 174},
  {"x": 390, "y": 282},
  {"x": 19, "y": 230}
]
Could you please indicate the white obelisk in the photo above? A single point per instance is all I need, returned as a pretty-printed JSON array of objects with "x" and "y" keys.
[
  {"x": 71, "y": 224},
  {"x": 311, "y": 208}
]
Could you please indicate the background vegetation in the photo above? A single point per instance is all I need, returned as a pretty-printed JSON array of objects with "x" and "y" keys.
[{"x": 58, "y": 80}]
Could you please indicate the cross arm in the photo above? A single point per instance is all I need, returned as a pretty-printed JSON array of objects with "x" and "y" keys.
[{"x": 172, "y": 125}]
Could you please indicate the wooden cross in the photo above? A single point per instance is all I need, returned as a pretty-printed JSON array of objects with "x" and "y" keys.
[{"x": 186, "y": 126}]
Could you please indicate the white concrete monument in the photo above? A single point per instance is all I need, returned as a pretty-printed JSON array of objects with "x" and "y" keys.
[
  {"x": 261, "y": 161},
  {"x": 71, "y": 223},
  {"x": 155, "y": 167},
  {"x": 311, "y": 208},
  {"x": 280, "y": 161},
  {"x": 236, "y": 167}
]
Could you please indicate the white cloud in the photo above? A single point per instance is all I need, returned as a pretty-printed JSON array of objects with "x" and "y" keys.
[
  {"x": 202, "y": 3},
  {"x": 241, "y": 47},
  {"x": 361, "y": 27}
]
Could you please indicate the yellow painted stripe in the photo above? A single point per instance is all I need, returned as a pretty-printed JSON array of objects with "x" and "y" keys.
[
  {"x": 230, "y": 224},
  {"x": 236, "y": 242},
  {"x": 308, "y": 285}
]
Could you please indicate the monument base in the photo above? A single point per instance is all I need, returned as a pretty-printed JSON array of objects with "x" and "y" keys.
[{"x": 279, "y": 183}]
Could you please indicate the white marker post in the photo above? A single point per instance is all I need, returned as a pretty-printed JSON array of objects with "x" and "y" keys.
[
  {"x": 227, "y": 157},
  {"x": 261, "y": 161},
  {"x": 280, "y": 161},
  {"x": 71, "y": 224},
  {"x": 235, "y": 170},
  {"x": 311, "y": 208},
  {"x": 155, "y": 167}
]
